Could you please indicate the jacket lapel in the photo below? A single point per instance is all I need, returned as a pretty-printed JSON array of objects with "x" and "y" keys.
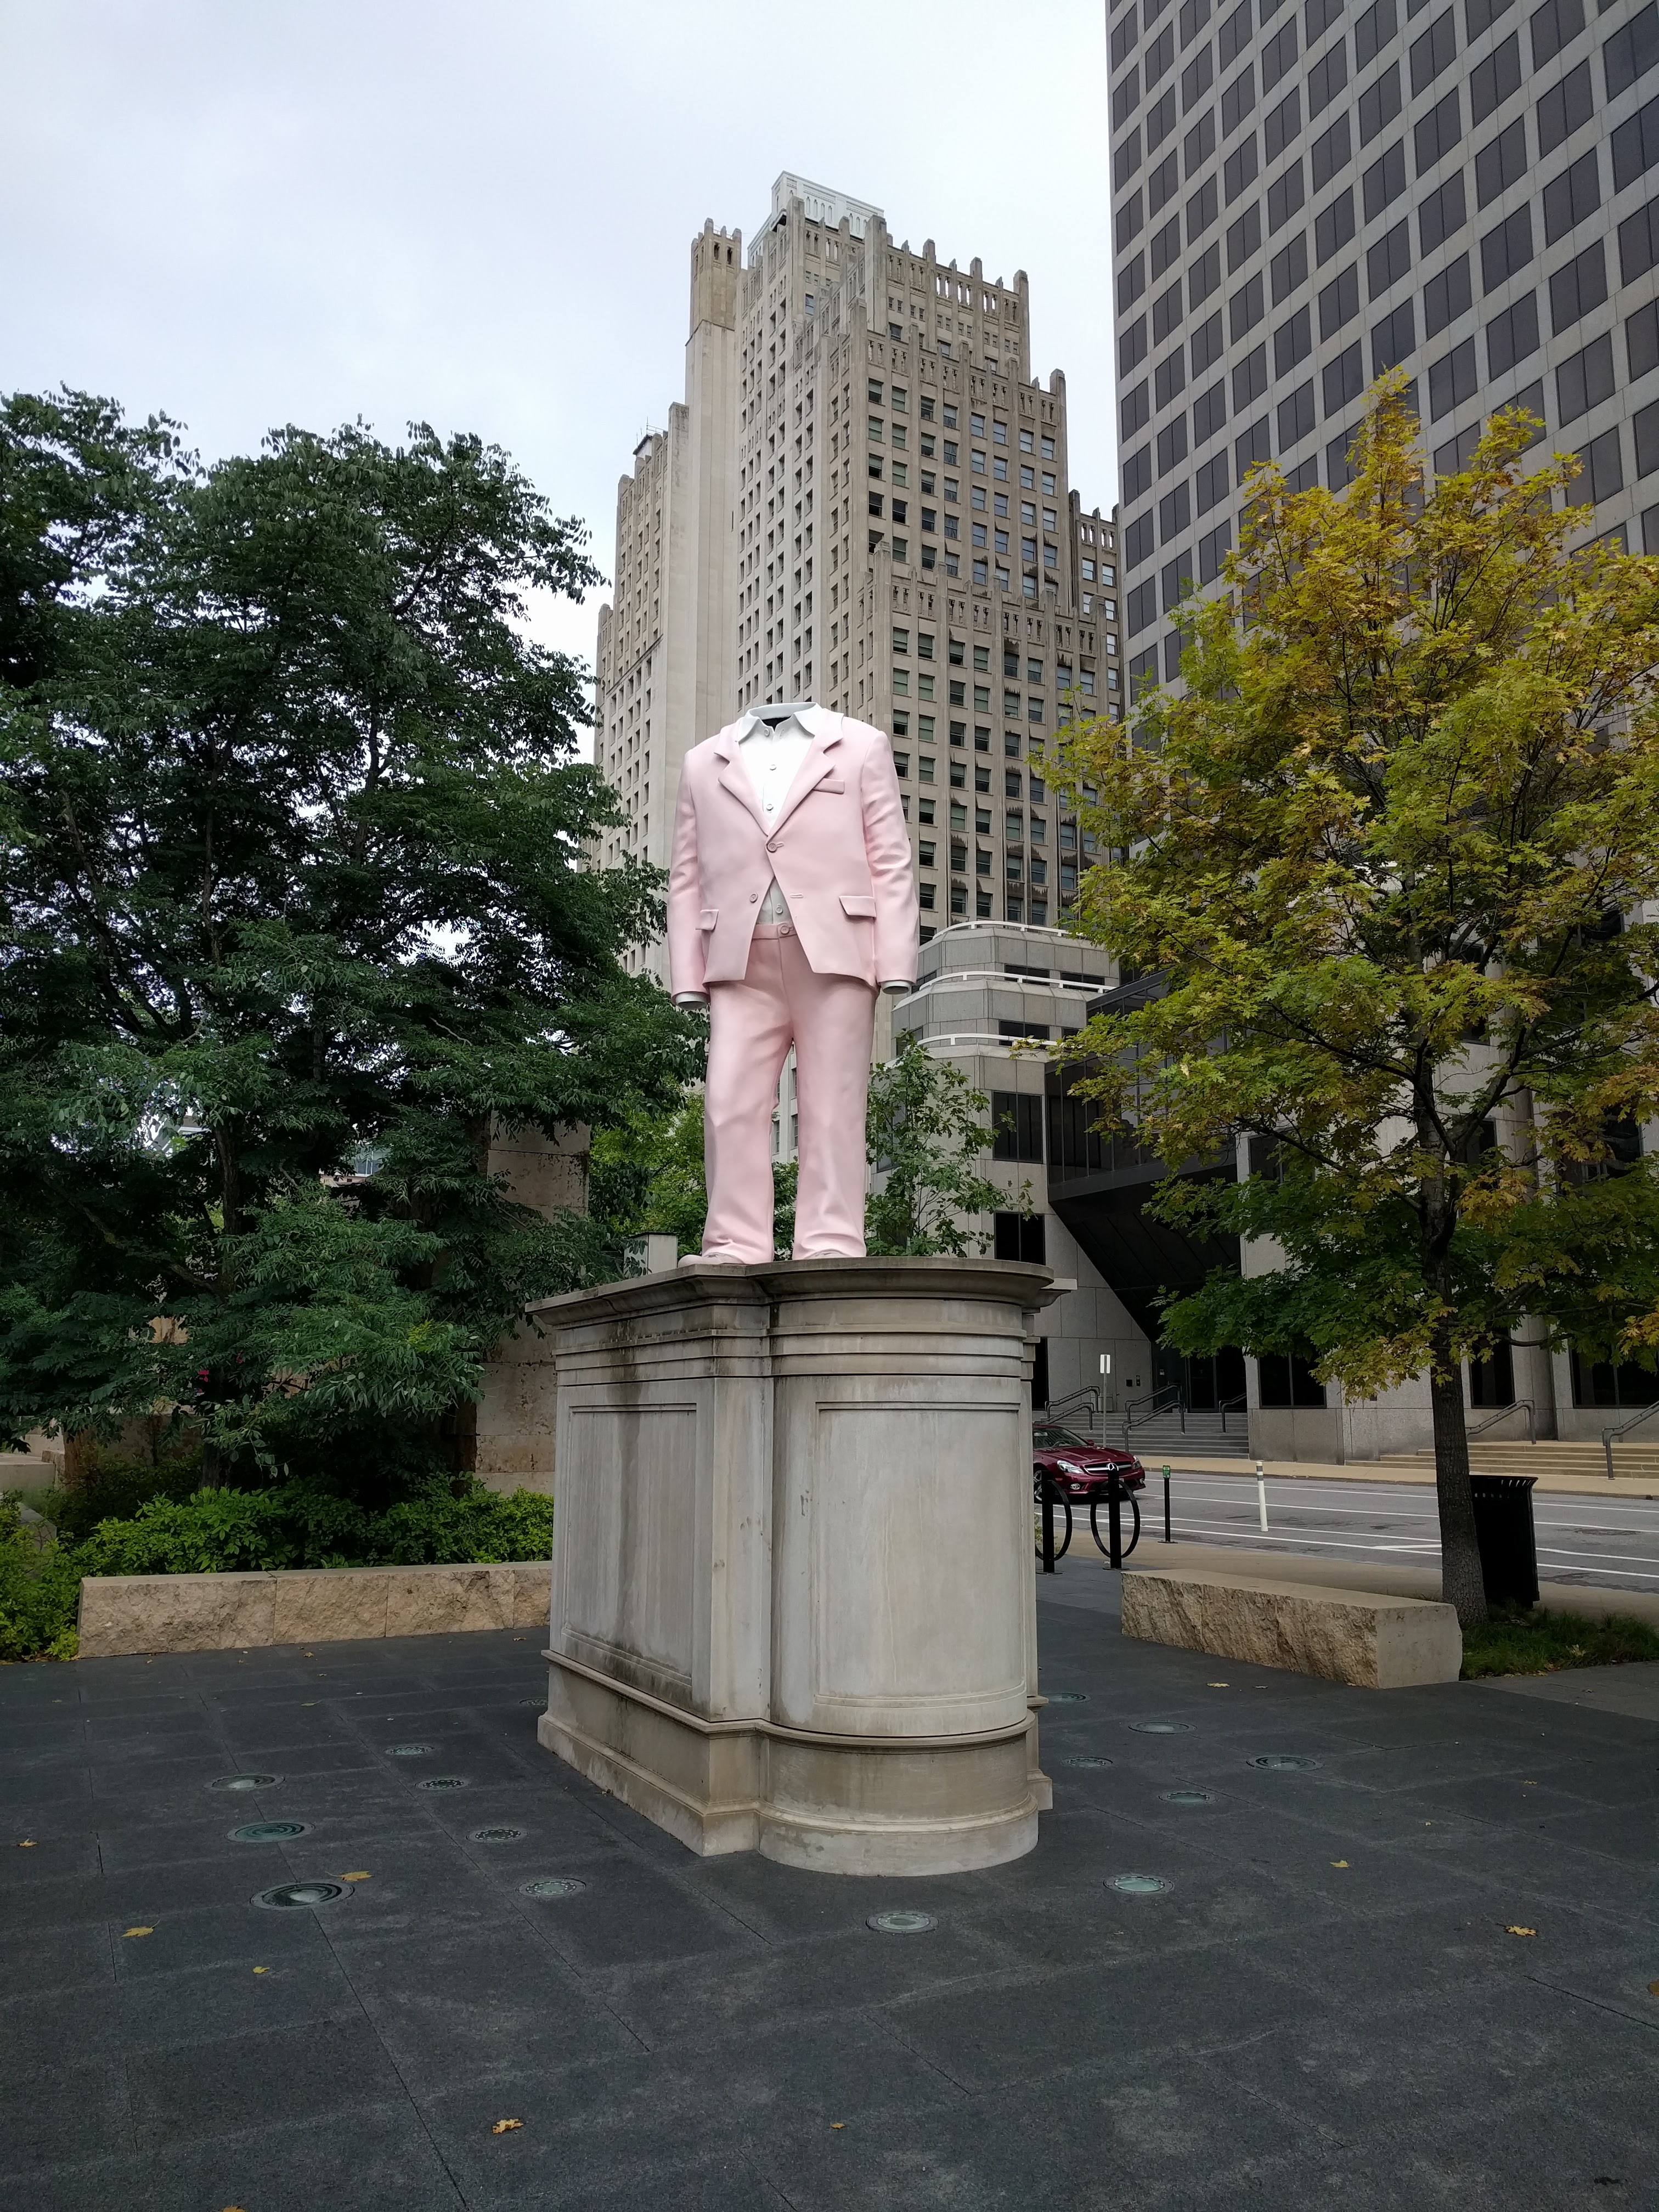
[
  {"x": 733, "y": 776},
  {"x": 826, "y": 733}
]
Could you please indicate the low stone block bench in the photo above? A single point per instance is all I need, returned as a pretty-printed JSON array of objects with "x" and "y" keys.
[
  {"x": 1376, "y": 1643},
  {"x": 125, "y": 1614}
]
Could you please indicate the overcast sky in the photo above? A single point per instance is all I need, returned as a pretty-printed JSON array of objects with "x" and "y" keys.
[{"x": 250, "y": 212}]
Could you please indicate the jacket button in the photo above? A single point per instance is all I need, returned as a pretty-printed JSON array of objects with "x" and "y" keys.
[
  {"x": 754, "y": 898},
  {"x": 771, "y": 844}
]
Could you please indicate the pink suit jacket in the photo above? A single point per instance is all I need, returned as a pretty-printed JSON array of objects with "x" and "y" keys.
[{"x": 839, "y": 849}]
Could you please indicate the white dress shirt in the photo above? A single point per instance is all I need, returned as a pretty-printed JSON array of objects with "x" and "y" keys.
[{"x": 772, "y": 753}]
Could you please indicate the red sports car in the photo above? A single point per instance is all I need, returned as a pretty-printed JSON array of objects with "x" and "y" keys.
[
  {"x": 1070, "y": 1471},
  {"x": 1078, "y": 1468}
]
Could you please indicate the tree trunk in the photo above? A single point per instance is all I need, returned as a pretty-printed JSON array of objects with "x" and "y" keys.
[{"x": 1460, "y": 1583}]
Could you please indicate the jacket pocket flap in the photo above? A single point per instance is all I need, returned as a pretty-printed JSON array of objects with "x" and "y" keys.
[
  {"x": 831, "y": 783},
  {"x": 709, "y": 917},
  {"x": 860, "y": 906}
]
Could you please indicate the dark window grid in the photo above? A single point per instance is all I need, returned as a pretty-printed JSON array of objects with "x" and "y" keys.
[
  {"x": 1632, "y": 50},
  {"x": 1501, "y": 162},
  {"x": 1564, "y": 108},
  {"x": 1572, "y": 197},
  {"x": 1584, "y": 380},
  {"x": 1577, "y": 287},
  {"x": 1446, "y": 295},
  {"x": 1433, "y": 51},
  {"x": 1495, "y": 79},
  {"x": 1435, "y": 134},
  {"x": 1379, "y": 103},
  {"x": 1327, "y": 78},
  {"x": 1553, "y": 27}
]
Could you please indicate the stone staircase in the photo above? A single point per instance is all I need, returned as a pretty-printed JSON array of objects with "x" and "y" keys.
[
  {"x": 1161, "y": 1436},
  {"x": 1489, "y": 1455}
]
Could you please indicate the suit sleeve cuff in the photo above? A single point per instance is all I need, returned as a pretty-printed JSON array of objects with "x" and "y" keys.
[
  {"x": 896, "y": 985},
  {"x": 691, "y": 997}
]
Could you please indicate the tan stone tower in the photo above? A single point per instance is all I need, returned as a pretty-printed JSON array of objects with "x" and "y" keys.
[{"x": 863, "y": 498}]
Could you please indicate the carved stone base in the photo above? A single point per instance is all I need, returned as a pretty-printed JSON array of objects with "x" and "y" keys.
[{"x": 793, "y": 1597}]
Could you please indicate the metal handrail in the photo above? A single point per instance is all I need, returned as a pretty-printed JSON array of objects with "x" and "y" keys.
[
  {"x": 1089, "y": 1396},
  {"x": 1521, "y": 1406},
  {"x": 1159, "y": 1401},
  {"x": 1232, "y": 1404},
  {"x": 1624, "y": 1430}
]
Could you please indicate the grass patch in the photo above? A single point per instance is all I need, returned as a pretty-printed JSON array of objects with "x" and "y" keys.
[{"x": 1518, "y": 1640}]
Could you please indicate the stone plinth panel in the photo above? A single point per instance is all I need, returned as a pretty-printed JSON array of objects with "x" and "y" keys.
[
  {"x": 793, "y": 1604},
  {"x": 1376, "y": 1643},
  {"x": 124, "y": 1613}
]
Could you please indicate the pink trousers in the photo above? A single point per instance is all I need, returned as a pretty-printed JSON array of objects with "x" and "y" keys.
[{"x": 830, "y": 1020}]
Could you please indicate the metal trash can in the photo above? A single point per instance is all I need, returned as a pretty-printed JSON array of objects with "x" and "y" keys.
[{"x": 1503, "y": 1529}]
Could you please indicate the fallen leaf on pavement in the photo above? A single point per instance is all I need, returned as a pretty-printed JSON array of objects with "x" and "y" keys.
[
  {"x": 27, "y": 1844},
  {"x": 1520, "y": 1931},
  {"x": 838, "y": 2124},
  {"x": 356, "y": 1877},
  {"x": 505, "y": 2127},
  {"x": 1653, "y": 1988},
  {"x": 262, "y": 1970},
  {"x": 1339, "y": 1862},
  {"x": 137, "y": 1931},
  {"x": 1216, "y": 1685}
]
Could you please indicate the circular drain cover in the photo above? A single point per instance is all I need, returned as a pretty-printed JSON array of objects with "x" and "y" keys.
[
  {"x": 902, "y": 1923},
  {"x": 1086, "y": 1758},
  {"x": 442, "y": 1782},
  {"x": 1162, "y": 1727},
  {"x": 1067, "y": 1697},
  {"x": 496, "y": 1835},
  {"x": 552, "y": 1885},
  {"x": 410, "y": 1750},
  {"x": 271, "y": 1832},
  {"x": 1188, "y": 1797},
  {"x": 245, "y": 1781},
  {"x": 1139, "y": 1885},
  {"x": 1283, "y": 1762},
  {"x": 295, "y": 1893}
]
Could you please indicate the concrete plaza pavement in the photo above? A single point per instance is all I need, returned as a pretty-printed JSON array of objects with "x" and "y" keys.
[{"x": 1325, "y": 2007}]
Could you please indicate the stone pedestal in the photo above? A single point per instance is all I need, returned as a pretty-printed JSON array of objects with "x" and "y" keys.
[{"x": 793, "y": 1606}]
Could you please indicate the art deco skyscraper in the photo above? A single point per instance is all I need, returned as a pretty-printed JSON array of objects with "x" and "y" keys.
[{"x": 864, "y": 500}]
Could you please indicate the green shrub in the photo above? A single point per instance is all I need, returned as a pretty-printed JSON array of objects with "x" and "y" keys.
[
  {"x": 221, "y": 1531},
  {"x": 39, "y": 1590},
  {"x": 1522, "y": 1640},
  {"x": 114, "y": 1489}
]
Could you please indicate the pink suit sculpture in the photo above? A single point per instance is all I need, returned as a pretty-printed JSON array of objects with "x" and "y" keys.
[{"x": 790, "y": 900}]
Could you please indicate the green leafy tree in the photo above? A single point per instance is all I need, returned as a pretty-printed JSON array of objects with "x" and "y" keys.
[
  {"x": 293, "y": 921},
  {"x": 926, "y": 1135},
  {"x": 1389, "y": 855}
]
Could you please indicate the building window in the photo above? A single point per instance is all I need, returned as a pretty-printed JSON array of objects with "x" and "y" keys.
[
  {"x": 1017, "y": 1116},
  {"x": 1288, "y": 1379},
  {"x": 1021, "y": 1237}
]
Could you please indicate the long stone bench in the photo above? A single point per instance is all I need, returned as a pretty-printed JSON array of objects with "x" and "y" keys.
[
  {"x": 1375, "y": 1642},
  {"x": 125, "y": 1614}
]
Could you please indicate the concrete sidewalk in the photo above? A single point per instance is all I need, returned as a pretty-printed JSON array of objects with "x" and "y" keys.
[
  {"x": 1377, "y": 1470},
  {"x": 1389, "y": 1952}
]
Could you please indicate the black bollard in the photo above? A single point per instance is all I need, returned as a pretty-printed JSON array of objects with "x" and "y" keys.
[
  {"x": 1114, "y": 1518},
  {"x": 1166, "y": 1505}
]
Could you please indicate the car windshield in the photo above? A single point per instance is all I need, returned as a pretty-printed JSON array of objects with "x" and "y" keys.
[{"x": 1047, "y": 1438}]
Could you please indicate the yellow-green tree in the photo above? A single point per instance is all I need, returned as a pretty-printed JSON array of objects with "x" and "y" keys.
[{"x": 1390, "y": 853}]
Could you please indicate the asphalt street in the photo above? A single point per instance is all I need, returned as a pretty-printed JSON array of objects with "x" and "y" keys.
[{"x": 1609, "y": 1543}]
